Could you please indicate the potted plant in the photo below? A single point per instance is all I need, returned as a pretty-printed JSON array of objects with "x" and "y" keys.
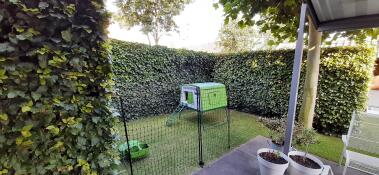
[
  {"x": 272, "y": 162},
  {"x": 276, "y": 140},
  {"x": 302, "y": 163},
  {"x": 277, "y": 132}
]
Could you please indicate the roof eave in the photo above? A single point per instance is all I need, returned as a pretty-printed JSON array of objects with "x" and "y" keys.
[{"x": 352, "y": 23}]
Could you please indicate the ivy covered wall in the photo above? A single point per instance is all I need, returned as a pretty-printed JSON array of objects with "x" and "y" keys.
[{"x": 54, "y": 88}]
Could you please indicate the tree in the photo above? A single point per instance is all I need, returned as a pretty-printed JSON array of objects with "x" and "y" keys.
[
  {"x": 232, "y": 38},
  {"x": 311, "y": 77},
  {"x": 281, "y": 19},
  {"x": 154, "y": 16}
]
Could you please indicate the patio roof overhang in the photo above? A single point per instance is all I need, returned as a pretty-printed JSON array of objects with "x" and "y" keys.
[
  {"x": 329, "y": 16},
  {"x": 342, "y": 15}
]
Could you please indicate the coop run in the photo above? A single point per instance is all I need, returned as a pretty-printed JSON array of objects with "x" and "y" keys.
[{"x": 196, "y": 133}]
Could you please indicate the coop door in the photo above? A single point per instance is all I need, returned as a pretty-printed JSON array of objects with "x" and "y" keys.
[
  {"x": 189, "y": 97},
  {"x": 212, "y": 98}
]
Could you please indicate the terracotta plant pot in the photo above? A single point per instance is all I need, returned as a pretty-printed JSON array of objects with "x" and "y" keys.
[
  {"x": 269, "y": 168},
  {"x": 298, "y": 169}
]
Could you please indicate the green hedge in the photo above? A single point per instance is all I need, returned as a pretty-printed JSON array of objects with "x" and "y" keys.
[
  {"x": 345, "y": 74},
  {"x": 54, "y": 88},
  {"x": 259, "y": 82},
  {"x": 149, "y": 78}
]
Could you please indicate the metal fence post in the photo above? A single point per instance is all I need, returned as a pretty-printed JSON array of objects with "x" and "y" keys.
[
  {"x": 199, "y": 124},
  {"x": 126, "y": 136},
  {"x": 228, "y": 119},
  {"x": 295, "y": 80}
]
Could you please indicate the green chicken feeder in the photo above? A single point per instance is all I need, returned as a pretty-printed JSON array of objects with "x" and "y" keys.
[{"x": 138, "y": 150}]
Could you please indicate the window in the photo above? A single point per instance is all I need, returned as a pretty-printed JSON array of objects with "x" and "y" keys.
[{"x": 189, "y": 97}]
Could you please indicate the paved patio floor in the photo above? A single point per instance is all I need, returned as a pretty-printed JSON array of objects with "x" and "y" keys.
[
  {"x": 373, "y": 98},
  {"x": 243, "y": 161}
]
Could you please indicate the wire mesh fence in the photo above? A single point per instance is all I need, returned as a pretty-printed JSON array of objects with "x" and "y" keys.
[
  {"x": 195, "y": 138},
  {"x": 216, "y": 133}
]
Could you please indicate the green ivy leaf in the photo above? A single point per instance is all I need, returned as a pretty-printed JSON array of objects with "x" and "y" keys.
[
  {"x": 36, "y": 95},
  {"x": 14, "y": 1},
  {"x": 95, "y": 119},
  {"x": 53, "y": 129},
  {"x": 27, "y": 127},
  {"x": 43, "y": 5},
  {"x": 6, "y": 47},
  {"x": 241, "y": 24},
  {"x": 215, "y": 5},
  {"x": 21, "y": 37},
  {"x": 70, "y": 9},
  {"x": 27, "y": 106},
  {"x": 25, "y": 132},
  {"x": 57, "y": 145},
  {"x": 19, "y": 140},
  {"x": 3, "y": 171},
  {"x": 27, "y": 143},
  {"x": 12, "y": 94},
  {"x": 94, "y": 140},
  {"x": 66, "y": 35},
  {"x": 20, "y": 29},
  {"x": 4, "y": 117}
]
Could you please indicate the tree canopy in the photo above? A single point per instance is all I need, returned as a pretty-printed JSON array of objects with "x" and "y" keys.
[
  {"x": 154, "y": 16},
  {"x": 281, "y": 19},
  {"x": 232, "y": 38}
]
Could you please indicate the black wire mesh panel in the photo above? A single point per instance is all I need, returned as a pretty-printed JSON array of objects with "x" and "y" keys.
[
  {"x": 215, "y": 133},
  {"x": 172, "y": 149}
]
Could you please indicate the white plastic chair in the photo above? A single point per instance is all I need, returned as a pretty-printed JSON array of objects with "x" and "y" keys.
[{"x": 361, "y": 144}]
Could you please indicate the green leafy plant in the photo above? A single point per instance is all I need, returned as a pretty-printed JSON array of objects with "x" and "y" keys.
[
  {"x": 278, "y": 128},
  {"x": 274, "y": 152},
  {"x": 277, "y": 137},
  {"x": 307, "y": 137},
  {"x": 55, "y": 84}
]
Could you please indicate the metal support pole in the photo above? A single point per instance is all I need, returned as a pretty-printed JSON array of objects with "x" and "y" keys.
[
  {"x": 200, "y": 128},
  {"x": 126, "y": 136},
  {"x": 228, "y": 119},
  {"x": 295, "y": 80}
]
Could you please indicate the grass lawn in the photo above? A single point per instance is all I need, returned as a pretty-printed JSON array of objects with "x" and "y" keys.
[
  {"x": 245, "y": 126},
  {"x": 174, "y": 150}
]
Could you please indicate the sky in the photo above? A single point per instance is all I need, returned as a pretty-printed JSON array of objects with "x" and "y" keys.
[{"x": 198, "y": 25}]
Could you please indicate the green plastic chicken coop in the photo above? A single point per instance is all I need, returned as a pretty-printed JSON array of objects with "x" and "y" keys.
[
  {"x": 203, "y": 96},
  {"x": 200, "y": 97}
]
